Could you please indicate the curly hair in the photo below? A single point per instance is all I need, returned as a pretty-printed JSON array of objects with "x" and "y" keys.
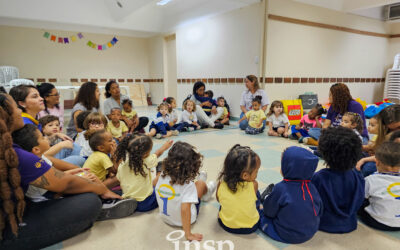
[
  {"x": 257, "y": 99},
  {"x": 355, "y": 118},
  {"x": 389, "y": 154},
  {"x": 340, "y": 97},
  {"x": 86, "y": 96},
  {"x": 127, "y": 101},
  {"x": 186, "y": 103},
  {"x": 47, "y": 119},
  {"x": 273, "y": 105},
  {"x": 182, "y": 164},
  {"x": 340, "y": 148},
  {"x": 239, "y": 159},
  {"x": 388, "y": 115},
  {"x": 9, "y": 174},
  {"x": 137, "y": 146},
  {"x": 253, "y": 79},
  {"x": 319, "y": 109},
  {"x": 163, "y": 104},
  {"x": 394, "y": 135}
]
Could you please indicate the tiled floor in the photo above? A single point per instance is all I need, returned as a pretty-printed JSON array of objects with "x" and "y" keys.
[{"x": 147, "y": 231}]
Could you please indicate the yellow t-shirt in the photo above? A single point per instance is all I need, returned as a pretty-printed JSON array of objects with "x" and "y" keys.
[
  {"x": 117, "y": 132},
  {"x": 238, "y": 210},
  {"x": 225, "y": 114},
  {"x": 98, "y": 163},
  {"x": 254, "y": 118},
  {"x": 129, "y": 115},
  {"x": 136, "y": 186},
  {"x": 374, "y": 138}
]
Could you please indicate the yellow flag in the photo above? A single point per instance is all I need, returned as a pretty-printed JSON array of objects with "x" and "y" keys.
[
  {"x": 73, "y": 38},
  {"x": 109, "y": 45}
]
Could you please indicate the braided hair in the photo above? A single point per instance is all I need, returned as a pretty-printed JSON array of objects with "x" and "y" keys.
[
  {"x": 10, "y": 178},
  {"x": 137, "y": 146}
]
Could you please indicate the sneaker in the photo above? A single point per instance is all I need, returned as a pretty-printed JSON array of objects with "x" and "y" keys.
[
  {"x": 219, "y": 125},
  {"x": 190, "y": 129},
  {"x": 301, "y": 139},
  {"x": 211, "y": 186},
  {"x": 198, "y": 127},
  {"x": 267, "y": 191},
  {"x": 158, "y": 136},
  {"x": 175, "y": 132},
  {"x": 305, "y": 140},
  {"x": 203, "y": 126},
  {"x": 292, "y": 137},
  {"x": 203, "y": 176},
  {"x": 114, "y": 209}
]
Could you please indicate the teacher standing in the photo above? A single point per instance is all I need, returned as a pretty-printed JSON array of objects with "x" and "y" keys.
[{"x": 253, "y": 90}]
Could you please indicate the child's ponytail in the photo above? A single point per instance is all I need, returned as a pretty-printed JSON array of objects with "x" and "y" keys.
[{"x": 120, "y": 152}]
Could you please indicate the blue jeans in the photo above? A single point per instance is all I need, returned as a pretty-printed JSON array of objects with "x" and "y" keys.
[
  {"x": 71, "y": 155},
  {"x": 316, "y": 133},
  {"x": 244, "y": 124},
  {"x": 368, "y": 168},
  {"x": 303, "y": 132}
]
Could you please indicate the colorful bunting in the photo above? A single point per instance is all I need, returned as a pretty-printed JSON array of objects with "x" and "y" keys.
[{"x": 67, "y": 40}]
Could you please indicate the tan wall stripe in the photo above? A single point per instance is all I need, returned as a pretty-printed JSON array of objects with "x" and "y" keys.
[
  {"x": 329, "y": 26},
  {"x": 279, "y": 80}
]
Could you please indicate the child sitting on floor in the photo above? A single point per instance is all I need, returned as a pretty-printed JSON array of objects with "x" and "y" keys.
[
  {"x": 381, "y": 206},
  {"x": 129, "y": 113},
  {"x": 224, "y": 119},
  {"x": 178, "y": 196},
  {"x": 189, "y": 117},
  {"x": 277, "y": 120},
  {"x": 173, "y": 116},
  {"x": 373, "y": 128},
  {"x": 340, "y": 186},
  {"x": 255, "y": 117},
  {"x": 65, "y": 150},
  {"x": 90, "y": 121},
  {"x": 293, "y": 209},
  {"x": 99, "y": 163},
  {"x": 134, "y": 171},
  {"x": 115, "y": 126},
  {"x": 353, "y": 121},
  {"x": 160, "y": 127},
  {"x": 311, "y": 120},
  {"x": 237, "y": 191}
]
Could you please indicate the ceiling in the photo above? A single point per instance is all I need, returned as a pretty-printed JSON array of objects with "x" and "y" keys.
[{"x": 143, "y": 18}]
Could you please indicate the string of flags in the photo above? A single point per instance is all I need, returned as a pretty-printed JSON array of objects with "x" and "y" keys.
[{"x": 74, "y": 38}]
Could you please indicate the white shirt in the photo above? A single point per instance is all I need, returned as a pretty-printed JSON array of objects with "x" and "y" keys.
[
  {"x": 36, "y": 193},
  {"x": 173, "y": 115},
  {"x": 170, "y": 199},
  {"x": 247, "y": 98},
  {"x": 189, "y": 117},
  {"x": 381, "y": 190},
  {"x": 279, "y": 121},
  {"x": 81, "y": 141}
]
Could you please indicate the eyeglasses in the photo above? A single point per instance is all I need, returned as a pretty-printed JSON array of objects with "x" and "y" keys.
[
  {"x": 96, "y": 124},
  {"x": 56, "y": 94}
]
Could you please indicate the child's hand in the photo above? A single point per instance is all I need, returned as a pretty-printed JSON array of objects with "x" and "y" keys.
[
  {"x": 359, "y": 164},
  {"x": 285, "y": 134},
  {"x": 297, "y": 127},
  {"x": 191, "y": 237},
  {"x": 259, "y": 125},
  {"x": 110, "y": 195},
  {"x": 64, "y": 137},
  {"x": 168, "y": 144},
  {"x": 67, "y": 144}
]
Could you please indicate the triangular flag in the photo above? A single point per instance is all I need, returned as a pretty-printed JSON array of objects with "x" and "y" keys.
[
  {"x": 46, "y": 34},
  {"x": 115, "y": 40},
  {"x": 99, "y": 47},
  {"x": 80, "y": 35},
  {"x": 66, "y": 40},
  {"x": 73, "y": 38},
  {"x": 60, "y": 40},
  {"x": 104, "y": 47},
  {"x": 109, "y": 45},
  {"x": 53, "y": 38},
  {"x": 89, "y": 44}
]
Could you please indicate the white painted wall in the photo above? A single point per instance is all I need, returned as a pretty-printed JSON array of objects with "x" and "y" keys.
[{"x": 155, "y": 55}]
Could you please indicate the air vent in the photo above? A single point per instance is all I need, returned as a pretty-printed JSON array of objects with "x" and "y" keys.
[{"x": 392, "y": 12}]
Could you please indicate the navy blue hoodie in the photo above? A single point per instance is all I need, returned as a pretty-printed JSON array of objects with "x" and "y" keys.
[
  {"x": 294, "y": 206},
  {"x": 342, "y": 193}
]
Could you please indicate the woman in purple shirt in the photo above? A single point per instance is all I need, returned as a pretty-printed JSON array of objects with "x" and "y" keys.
[
  {"x": 341, "y": 102},
  {"x": 38, "y": 225}
]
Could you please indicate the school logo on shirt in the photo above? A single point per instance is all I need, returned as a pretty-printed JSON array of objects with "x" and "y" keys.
[
  {"x": 39, "y": 164},
  {"x": 394, "y": 190},
  {"x": 166, "y": 193}
]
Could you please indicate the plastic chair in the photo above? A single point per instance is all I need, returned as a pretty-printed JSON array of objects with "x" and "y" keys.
[
  {"x": 17, "y": 82},
  {"x": 10, "y": 73},
  {"x": 392, "y": 81}
]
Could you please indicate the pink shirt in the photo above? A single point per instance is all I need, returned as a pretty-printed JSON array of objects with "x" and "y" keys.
[
  {"x": 56, "y": 112},
  {"x": 308, "y": 123}
]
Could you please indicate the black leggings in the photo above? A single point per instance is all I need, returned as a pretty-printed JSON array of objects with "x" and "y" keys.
[
  {"x": 49, "y": 222},
  {"x": 370, "y": 221},
  {"x": 143, "y": 121}
]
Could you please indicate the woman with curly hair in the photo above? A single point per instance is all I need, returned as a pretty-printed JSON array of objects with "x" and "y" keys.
[
  {"x": 340, "y": 186},
  {"x": 38, "y": 225},
  {"x": 341, "y": 102},
  {"x": 178, "y": 196},
  {"x": 134, "y": 172}
]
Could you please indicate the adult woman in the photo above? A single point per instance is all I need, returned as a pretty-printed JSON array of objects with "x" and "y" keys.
[
  {"x": 114, "y": 100},
  {"x": 253, "y": 90},
  {"x": 87, "y": 99},
  {"x": 29, "y": 101},
  {"x": 341, "y": 102},
  {"x": 51, "y": 98},
  {"x": 388, "y": 121},
  {"x": 206, "y": 110},
  {"x": 37, "y": 225}
]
